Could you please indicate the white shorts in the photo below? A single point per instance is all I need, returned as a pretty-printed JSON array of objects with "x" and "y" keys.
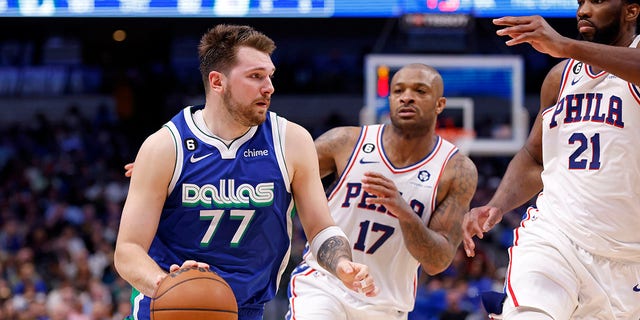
[
  {"x": 316, "y": 296},
  {"x": 547, "y": 271}
]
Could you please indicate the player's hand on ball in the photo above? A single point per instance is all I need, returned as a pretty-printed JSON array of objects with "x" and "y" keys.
[
  {"x": 186, "y": 264},
  {"x": 356, "y": 277},
  {"x": 193, "y": 293},
  {"x": 189, "y": 264}
]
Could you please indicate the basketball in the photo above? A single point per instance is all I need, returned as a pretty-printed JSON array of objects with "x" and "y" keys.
[{"x": 193, "y": 294}]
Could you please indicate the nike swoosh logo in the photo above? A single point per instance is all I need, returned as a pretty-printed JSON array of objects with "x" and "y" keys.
[
  {"x": 195, "y": 159},
  {"x": 636, "y": 289},
  {"x": 363, "y": 161},
  {"x": 574, "y": 81}
]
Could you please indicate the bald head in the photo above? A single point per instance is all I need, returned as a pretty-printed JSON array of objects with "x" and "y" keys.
[{"x": 419, "y": 73}]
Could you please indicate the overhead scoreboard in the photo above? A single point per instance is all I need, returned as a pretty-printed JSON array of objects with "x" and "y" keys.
[{"x": 281, "y": 8}]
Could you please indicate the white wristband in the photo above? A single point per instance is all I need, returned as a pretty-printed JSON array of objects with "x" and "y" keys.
[{"x": 322, "y": 236}]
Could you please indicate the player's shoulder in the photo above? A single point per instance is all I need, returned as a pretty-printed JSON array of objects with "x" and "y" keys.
[
  {"x": 159, "y": 142},
  {"x": 462, "y": 162},
  {"x": 338, "y": 140},
  {"x": 555, "y": 73},
  {"x": 461, "y": 169},
  {"x": 459, "y": 179},
  {"x": 343, "y": 134},
  {"x": 157, "y": 156},
  {"x": 295, "y": 131},
  {"x": 551, "y": 85}
]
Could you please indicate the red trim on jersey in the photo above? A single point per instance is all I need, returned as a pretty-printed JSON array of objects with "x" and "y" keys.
[
  {"x": 527, "y": 218},
  {"x": 634, "y": 91},
  {"x": 352, "y": 161},
  {"x": 512, "y": 295},
  {"x": 293, "y": 291},
  {"x": 414, "y": 166},
  {"x": 593, "y": 75},
  {"x": 516, "y": 237},
  {"x": 449, "y": 156},
  {"x": 549, "y": 109},
  {"x": 565, "y": 78}
]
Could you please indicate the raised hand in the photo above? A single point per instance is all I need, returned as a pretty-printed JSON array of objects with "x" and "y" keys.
[{"x": 533, "y": 30}]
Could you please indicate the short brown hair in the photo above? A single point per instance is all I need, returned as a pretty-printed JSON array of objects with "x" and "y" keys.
[{"x": 218, "y": 47}]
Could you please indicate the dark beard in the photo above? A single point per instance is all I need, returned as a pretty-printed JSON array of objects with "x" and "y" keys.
[{"x": 605, "y": 35}]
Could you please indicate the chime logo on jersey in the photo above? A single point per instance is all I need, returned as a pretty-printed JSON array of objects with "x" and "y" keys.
[
  {"x": 250, "y": 153},
  {"x": 227, "y": 195}
]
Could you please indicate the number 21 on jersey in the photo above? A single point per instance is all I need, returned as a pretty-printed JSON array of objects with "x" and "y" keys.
[{"x": 584, "y": 144}]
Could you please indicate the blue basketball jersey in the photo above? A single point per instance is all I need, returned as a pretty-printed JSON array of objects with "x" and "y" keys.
[{"x": 229, "y": 206}]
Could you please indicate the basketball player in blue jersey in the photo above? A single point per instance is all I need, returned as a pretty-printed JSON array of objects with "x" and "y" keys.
[
  {"x": 576, "y": 254},
  {"x": 400, "y": 196},
  {"x": 216, "y": 187}
]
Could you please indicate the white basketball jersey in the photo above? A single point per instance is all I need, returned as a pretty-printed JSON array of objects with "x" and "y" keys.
[
  {"x": 591, "y": 155},
  {"x": 374, "y": 232}
]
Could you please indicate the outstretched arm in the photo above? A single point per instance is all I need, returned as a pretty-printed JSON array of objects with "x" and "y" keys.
[{"x": 619, "y": 60}]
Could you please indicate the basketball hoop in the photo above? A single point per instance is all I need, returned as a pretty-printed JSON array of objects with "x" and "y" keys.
[{"x": 460, "y": 137}]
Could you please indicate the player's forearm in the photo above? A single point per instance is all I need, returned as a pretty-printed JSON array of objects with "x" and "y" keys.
[
  {"x": 623, "y": 62},
  {"x": 432, "y": 250},
  {"x": 136, "y": 267},
  {"x": 520, "y": 183},
  {"x": 332, "y": 251}
]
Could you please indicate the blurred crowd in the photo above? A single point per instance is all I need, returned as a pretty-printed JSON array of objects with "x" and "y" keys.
[{"x": 61, "y": 193}]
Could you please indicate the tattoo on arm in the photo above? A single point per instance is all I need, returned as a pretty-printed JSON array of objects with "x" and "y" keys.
[
  {"x": 328, "y": 141},
  {"x": 332, "y": 251},
  {"x": 449, "y": 215},
  {"x": 436, "y": 249},
  {"x": 332, "y": 148}
]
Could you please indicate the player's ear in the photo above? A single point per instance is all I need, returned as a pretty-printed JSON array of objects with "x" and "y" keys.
[
  {"x": 216, "y": 80},
  {"x": 632, "y": 10},
  {"x": 441, "y": 104}
]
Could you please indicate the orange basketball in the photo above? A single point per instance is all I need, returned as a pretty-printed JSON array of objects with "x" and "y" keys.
[{"x": 194, "y": 294}]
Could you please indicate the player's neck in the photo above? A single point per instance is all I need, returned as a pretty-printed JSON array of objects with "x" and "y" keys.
[
  {"x": 633, "y": 37},
  {"x": 628, "y": 39},
  {"x": 407, "y": 148},
  {"x": 221, "y": 124}
]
